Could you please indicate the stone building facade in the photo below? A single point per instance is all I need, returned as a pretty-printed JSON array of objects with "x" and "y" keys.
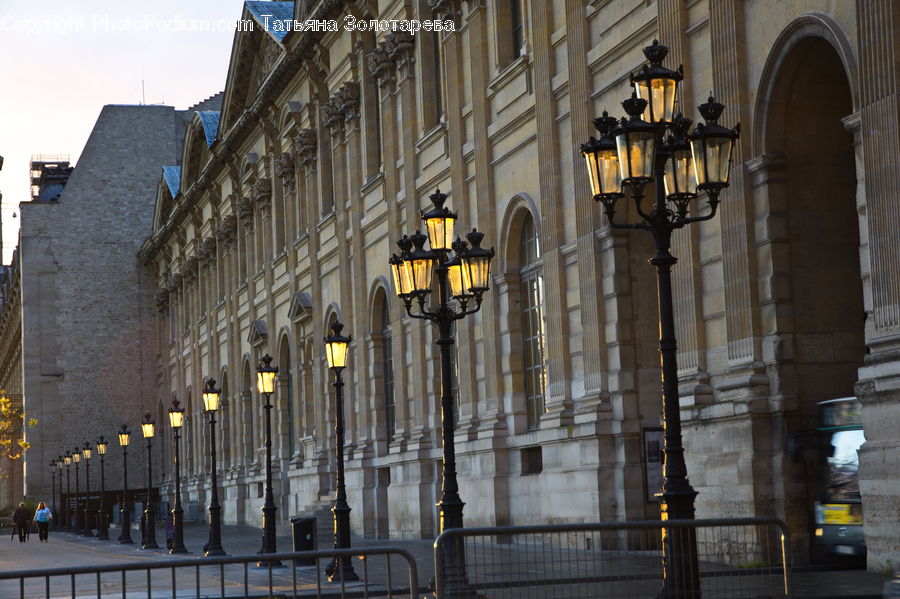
[
  {"x": 287, "y": 202},
  {"x": 77, "y": 326}
]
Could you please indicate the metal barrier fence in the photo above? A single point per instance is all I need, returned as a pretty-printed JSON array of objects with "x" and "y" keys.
[
  {"x": 741, "y": 558},
  {"x": 229, "y": 576}
]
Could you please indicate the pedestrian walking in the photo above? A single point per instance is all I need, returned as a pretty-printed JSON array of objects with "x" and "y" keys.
[
  {"x": 42, "y": 517},
  {"x": 21, "y": 521}
]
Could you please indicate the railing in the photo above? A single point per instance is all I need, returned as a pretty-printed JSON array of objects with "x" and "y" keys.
[
  {"x": 740, "y": 558},
  {"x": 229, "y": 576}
]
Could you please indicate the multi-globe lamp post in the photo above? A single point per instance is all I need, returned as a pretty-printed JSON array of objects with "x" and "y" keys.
[
  {"x": 176, "y": 420},
  {"x": 336, "y": 344},
  {"x": 463, "y": 277},
  {"x": 87, "y": 452},
  {"x": 265, "y": 384},
  {"x": 148, "y": 536},
  {"x": 102, "y": 522},
  {"x": 653, "y": 145},
  {"x": 211, "y": 403},
  {"x": 124, "y": 513}
]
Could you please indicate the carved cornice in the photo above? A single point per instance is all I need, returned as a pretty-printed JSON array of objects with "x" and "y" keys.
[
  {"x": 226, "y": 231},
  {"x": 305, "y": 147},
  {"x": 262, "y": 194},
  {"x": 207, "y": 253},
  {"x": 403, "y": 52},
  {"x": 342, "y": 108},
  {"x": 191, "y": 269},
  {"x": 446, "y": 9},
  {"x": 245, "y": 214},
  {"x": 284, "y": 169},
  {"x": 381, "y": 65}
]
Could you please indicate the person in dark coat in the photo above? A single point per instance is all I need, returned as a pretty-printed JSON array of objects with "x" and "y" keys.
[{"x": 22, "y": 520}]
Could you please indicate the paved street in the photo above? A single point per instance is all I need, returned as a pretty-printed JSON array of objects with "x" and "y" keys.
[{"x": 67, "y": 550}]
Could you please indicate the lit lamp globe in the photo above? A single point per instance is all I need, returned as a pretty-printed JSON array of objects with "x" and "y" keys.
[
  {"x": 635, "y": 144},
  {"x": 657, "y": 85},
  {"x": 401, "y": 268},
  {"x": 439, "y": 222},
  {"x": 711, "y": 147},
  {"x": 476, "y": 264},
  {"x": 148, "y": 428},
  {"x": 265, "y": 375},
  {"x": 422, "y": 263},
  {"x": 211, "y": 396},
  {"x": 101, "y": 446},
  {"x": 87, "y": 452},
  {"x": 76, "y": 455},
  {"x": 457, "y": 275},
  {"x": 602, "y": 159},
  {"x": 336, "y": 347},
  {"x": 68, "y": 459},
  {"x": 176, "y": 414},
  {"x": 124, "y": 436}
]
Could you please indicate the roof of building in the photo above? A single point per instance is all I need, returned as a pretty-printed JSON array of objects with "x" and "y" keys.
[
  {"x": 172, "y": 175},
  {"x": 210, "y": 121},
  {"x": 265, "y": 12}
]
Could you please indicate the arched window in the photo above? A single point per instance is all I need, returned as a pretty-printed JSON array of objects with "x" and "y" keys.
[
  {"x": 387, "y": 371},
  {"x": 532, "y": 299}
]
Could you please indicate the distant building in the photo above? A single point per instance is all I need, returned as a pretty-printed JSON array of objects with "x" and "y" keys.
[{"x": 76, "y": 328}]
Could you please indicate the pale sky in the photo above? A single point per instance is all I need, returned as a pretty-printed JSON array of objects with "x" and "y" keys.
[{"x": 61, "y": 61}]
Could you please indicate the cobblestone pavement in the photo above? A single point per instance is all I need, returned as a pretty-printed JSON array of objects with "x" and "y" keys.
[{"x": 68, "y": 550}]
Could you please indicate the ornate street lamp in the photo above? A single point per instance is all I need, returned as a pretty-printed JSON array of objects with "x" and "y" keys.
[
  {"x": 211, "y": 403},
  {"x": 87, "y": 452},
  {"x": 653, "y": 145},
  {"x": 67, "y": 458},
  {"x": 53, "y": 484},
  {"x": 341, "y": 568},
  {"x": 102, "y": 523},
  {"x": 60, "y": 521},
  {"x": 124, "y": 512},
  {"x": 462, "y": 278},
  {"x": 79, "y": 514},
  {"x": 176, "y": 420},
  {"x": 148, "y": 536},
  {"x": 265, "y": 384}
]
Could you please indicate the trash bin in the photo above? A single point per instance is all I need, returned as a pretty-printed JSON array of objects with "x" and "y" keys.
[{"x": 303, "y": 531}]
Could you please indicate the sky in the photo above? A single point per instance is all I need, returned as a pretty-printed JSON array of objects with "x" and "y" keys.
[{"x": 61, "y": 61}]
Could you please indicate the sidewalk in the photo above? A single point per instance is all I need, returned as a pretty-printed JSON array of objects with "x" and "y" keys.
[{"x": 66, "y": 549}]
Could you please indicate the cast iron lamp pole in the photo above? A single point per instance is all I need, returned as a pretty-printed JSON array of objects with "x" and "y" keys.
[
  {"x": 211, "y": 403},
  {"x": 265, "y": 383},
  {"x": 176, "y": 419},
  {"x": 463, "y": 278},
  {"x": 60, "y": 517},
  {"x": 87, "y": 452},
  {"x": 53, "y": 485},
  {"x": 76, "y": 457},
  {"x": 341, "y": 568},
  {"x": 67, "y": 458},
  {"x": 148, "y": 429},
  {"x": 102, "y": 523},
  {"x": 124, "y": 512},
  {"x": 627, "y": 156}
]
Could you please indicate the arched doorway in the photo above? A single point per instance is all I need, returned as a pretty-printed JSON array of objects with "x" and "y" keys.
[{"x": 817, "y": 287}]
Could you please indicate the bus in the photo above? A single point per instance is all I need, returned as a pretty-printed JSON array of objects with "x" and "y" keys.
[{"x": 838, "y": 511}]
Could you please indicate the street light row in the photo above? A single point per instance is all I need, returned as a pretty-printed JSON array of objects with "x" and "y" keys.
[{"x": 463, "y": 277}]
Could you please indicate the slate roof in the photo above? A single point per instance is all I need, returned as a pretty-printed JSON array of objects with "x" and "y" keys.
[
  {"x": 172, "y": 175},
  {"x": 273, "y": 11},
  {"x": 210, "y": 121}
]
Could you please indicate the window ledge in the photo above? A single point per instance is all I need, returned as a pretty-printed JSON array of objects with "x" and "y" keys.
[{"x": 508, "y": 73}]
